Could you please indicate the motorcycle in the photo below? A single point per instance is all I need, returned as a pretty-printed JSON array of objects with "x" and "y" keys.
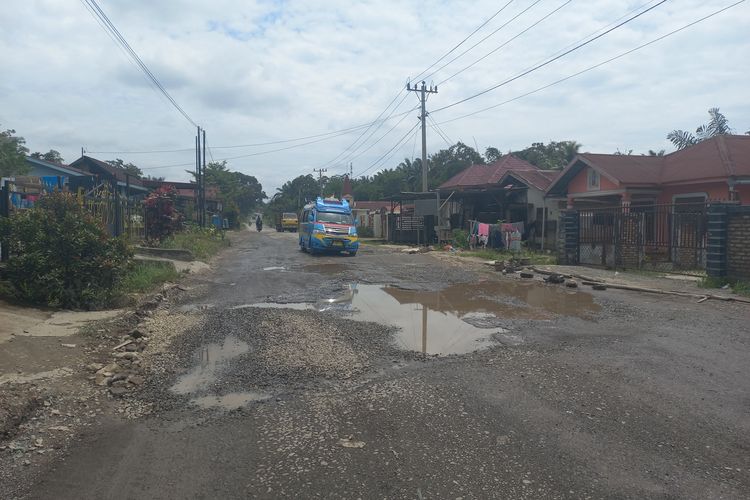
[{"x": 259, "y": 224}]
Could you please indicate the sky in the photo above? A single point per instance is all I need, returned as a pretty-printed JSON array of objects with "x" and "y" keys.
[{"x": 254, "y": 72}]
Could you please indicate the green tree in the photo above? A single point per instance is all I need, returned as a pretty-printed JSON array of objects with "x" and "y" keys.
[
  {"x": 552, "y": 156},
  {"x": 492, "y": 154},
  {"x": 292, "y": 195},
  {"x": 717, "y": 125},
  {"x": 128, "y": 167},
  {"x": 12, "y": 154},
  {"x": 448, "y": 162},
  {"x": 237, "y": 191},
  {"x": 52, "y": 156}
]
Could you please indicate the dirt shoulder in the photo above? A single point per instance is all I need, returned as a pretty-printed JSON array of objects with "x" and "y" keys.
[
  {"x": 62, "y": 372},
  {"x": 684, "y": 284}
]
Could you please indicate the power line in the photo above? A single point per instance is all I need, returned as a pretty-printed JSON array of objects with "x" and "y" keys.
[
  {"x": 110, "y": 27},
  {"x": 336, "y": 158},
  {"x": 398, "y": 143},
  {"x": 550, "y": 60},
  {"x": 590, "y": 68},
  {"x": 483, "y": 39},
  {"x": 439, "y": 131},
  {"x": 551, "y": 13},
  {"x": 257, "y": 153},
  {"x": 380, "y": 138},
  {"x": 349, "y": 148},
  {"x": 349, "y": 156},
  {"x": 463, "y": 41}
]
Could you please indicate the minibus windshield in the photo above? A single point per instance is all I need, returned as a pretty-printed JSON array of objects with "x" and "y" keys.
[{"x": 334, "y": 218}]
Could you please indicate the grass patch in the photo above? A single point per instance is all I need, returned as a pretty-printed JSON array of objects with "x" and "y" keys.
[
  {"x": 145, "y": 275},
  {"x": 203, "y": 243},
  {"x": 534, "y": 258},
  {"x": 738, "y": 287}
]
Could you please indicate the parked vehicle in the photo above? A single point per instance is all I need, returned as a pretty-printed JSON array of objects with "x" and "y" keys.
[
  {"x": 327, "y": 226},
  {"x": 287, "y": 221}
]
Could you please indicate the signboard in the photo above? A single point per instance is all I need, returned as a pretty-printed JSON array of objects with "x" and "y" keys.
[{"x": 425, "y": 207}]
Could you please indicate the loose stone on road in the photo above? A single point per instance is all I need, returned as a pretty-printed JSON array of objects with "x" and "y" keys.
[{"x": 391, "y": 375}]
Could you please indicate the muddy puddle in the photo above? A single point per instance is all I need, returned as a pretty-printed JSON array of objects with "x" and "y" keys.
[
  {"x": 210, "y": 360},
  {"x": 230, "y": 401},
  {"x": 459, "y": 319}
]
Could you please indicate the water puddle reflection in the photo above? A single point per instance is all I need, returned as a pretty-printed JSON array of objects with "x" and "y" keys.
[
  {"x": 274, "y": 268},
  {"x": 458, "y": 319},
  {"x": 212, "y": 358}
]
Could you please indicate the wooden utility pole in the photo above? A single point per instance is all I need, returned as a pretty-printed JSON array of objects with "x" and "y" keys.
[{"x": 423, "y": 91}]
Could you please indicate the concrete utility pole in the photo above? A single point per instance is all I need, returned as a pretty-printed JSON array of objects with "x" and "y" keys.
[
  {"x": 423, "y": 91},
  {"x": 203, "y": 183},
  {"x": 320, "y": 177}
]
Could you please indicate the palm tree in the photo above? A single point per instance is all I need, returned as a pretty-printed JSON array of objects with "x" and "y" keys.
[{"x": 717, "y": 125}]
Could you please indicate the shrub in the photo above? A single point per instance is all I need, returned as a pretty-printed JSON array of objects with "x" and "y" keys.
[
  {"x": 61, "y": 256},
  {"x": 460, "y": 238},
  {"x": 202, "y": 242},
  {"x": 162, "y": 218}
]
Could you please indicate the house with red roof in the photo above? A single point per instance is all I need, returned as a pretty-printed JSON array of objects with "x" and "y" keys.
[
  {"x": 508, "y": 190},
  {"x": 717, "y": 169},
  {"x": 651, "y": 212}
]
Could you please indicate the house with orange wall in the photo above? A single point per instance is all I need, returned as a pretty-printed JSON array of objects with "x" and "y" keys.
[{"x": 717, "y": 169}]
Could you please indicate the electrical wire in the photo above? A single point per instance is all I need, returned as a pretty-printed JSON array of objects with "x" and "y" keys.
[
  {"x": 439, "y": 132},
  {"x": 550, "y": 60},
  {"x": 464, "y": 40},
  {"x": 341, "y": 160},
  {"x": 488, "y": 54},
  {"x": 484, "y": 39},
  {"x": 590, "y": 68},
  {"x": 380, "y": 138},
  {"x": 110, "y": 27},
  {"x": 350, "y": 155},
  {"x": 398, "y": 143}
]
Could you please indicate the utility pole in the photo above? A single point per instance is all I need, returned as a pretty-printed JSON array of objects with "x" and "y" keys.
[
  {"x": 423, "y": 91},
  {"x": 320, "y": 172},
  {"x": 203, "y": 183},
  {"x": 198, "y": 176}
]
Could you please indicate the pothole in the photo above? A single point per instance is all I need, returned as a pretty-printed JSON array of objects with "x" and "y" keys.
[{"x": 459, "y": 319}]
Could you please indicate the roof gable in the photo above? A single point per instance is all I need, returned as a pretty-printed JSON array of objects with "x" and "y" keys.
[
  {"x": 476, "y": 176},
  {"x": 720, "y": 157}
]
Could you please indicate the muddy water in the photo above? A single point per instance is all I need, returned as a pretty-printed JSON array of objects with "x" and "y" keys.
[
  {"x": 458, "y": 319},
  {"x": 230, "y": 401},
  {"x": 210, "y": 360}
]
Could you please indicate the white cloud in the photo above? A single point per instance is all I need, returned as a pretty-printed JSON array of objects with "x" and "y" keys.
[{"x": 269, "y": 70}]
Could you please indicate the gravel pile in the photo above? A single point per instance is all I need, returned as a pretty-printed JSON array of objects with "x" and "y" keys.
[{"x": 277, "y": 351}]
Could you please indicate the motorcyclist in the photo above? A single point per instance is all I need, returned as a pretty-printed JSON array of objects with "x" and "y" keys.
[{"x": 258, "y": 223}]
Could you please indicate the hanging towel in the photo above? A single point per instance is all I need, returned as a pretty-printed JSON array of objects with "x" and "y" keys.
[{"x": 484, "y": 230}]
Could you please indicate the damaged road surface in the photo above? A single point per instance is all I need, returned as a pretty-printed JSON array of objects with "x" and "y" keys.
[{"x": 405, "y": 376}]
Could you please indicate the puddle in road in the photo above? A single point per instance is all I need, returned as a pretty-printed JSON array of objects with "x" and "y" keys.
[
  {"x": 458, "y": 319},
  {"x": 211, "y": 358},
  {"x": 230, "y": 401},
  {"x": 274, "y": 268}
]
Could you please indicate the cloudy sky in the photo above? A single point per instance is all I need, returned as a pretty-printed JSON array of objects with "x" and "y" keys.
[{"x": 263, "y": 71}]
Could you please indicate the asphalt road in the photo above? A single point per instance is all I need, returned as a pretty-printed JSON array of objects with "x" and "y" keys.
[{"x": 619, "y": 395}]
